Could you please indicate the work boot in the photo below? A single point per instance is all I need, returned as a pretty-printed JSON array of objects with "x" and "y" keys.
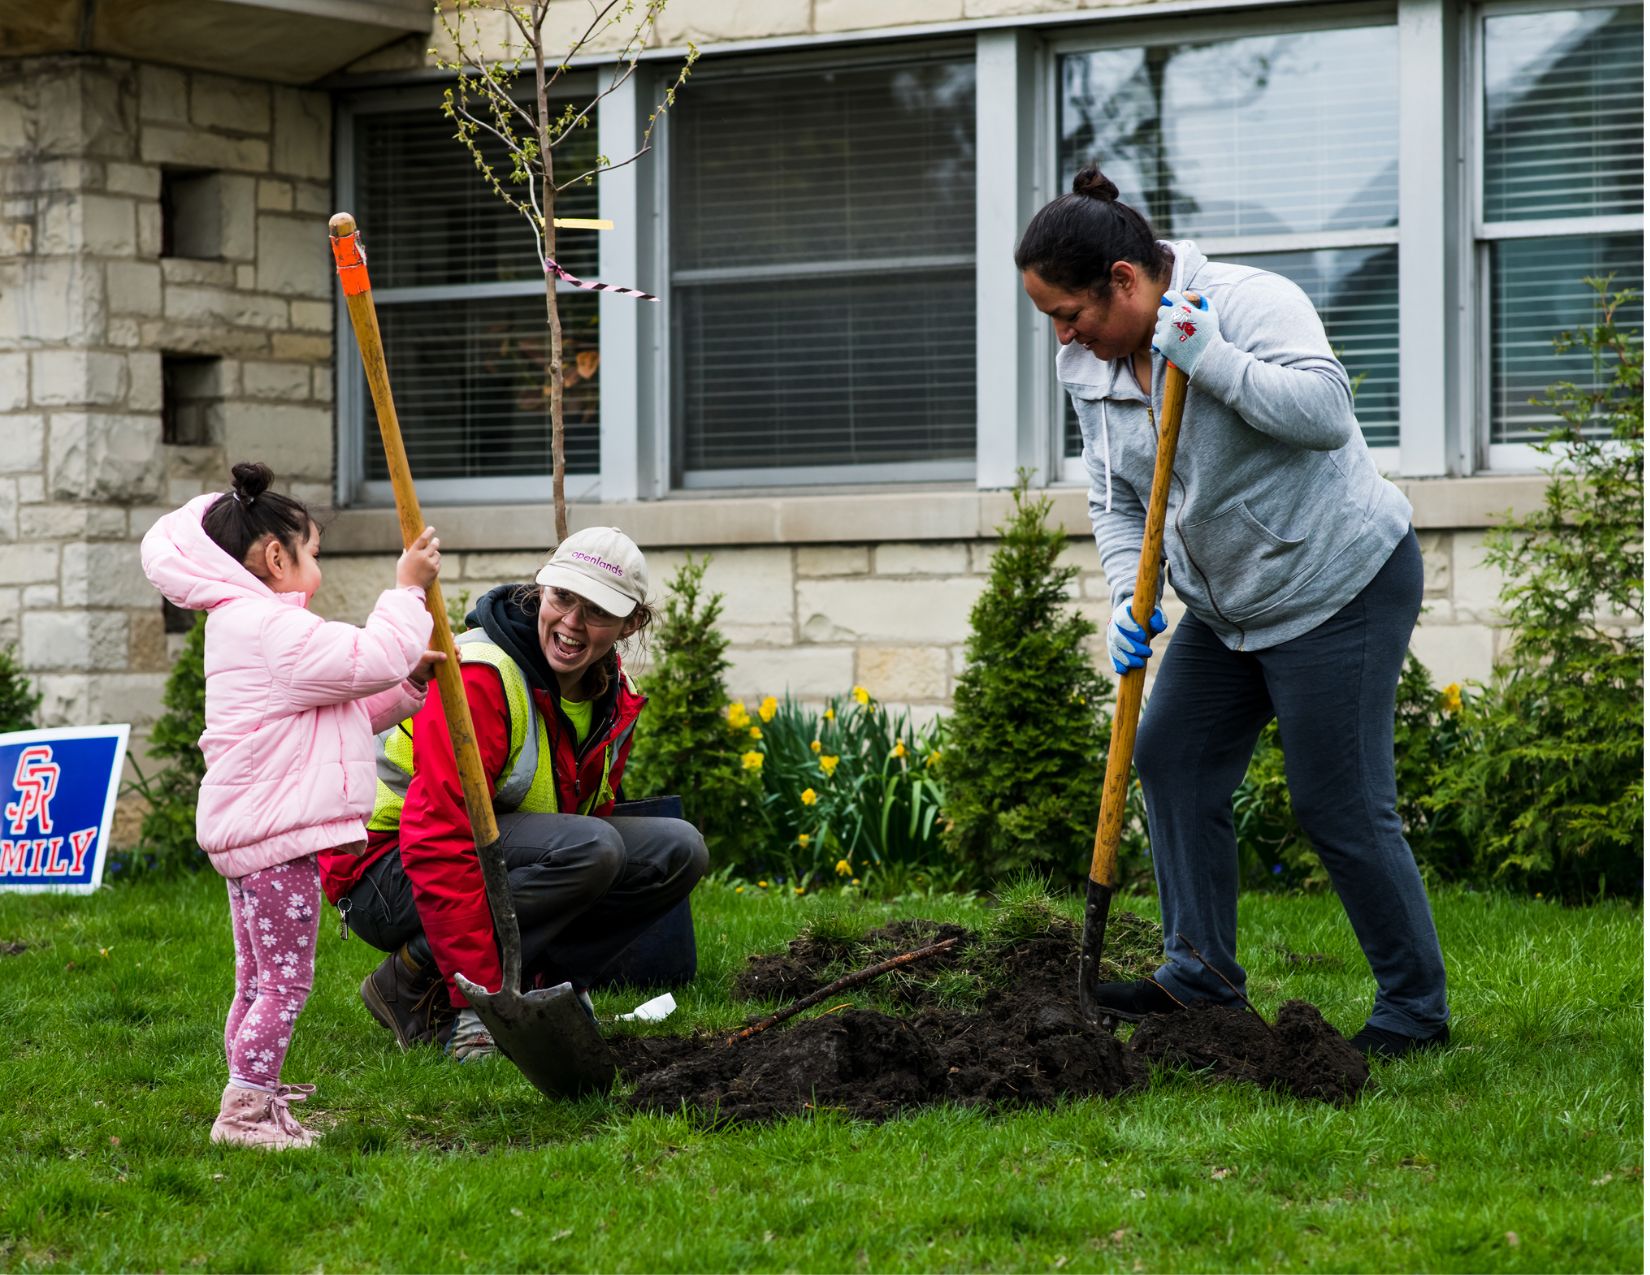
[
  {"x": 1378, "y": 1042},
  {"x": 259, "y": 1118},
  {"x": 1132, "y": 1001},
  {"x": 407, "y": 997}
]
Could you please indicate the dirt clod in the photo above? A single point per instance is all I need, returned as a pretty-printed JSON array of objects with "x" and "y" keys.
[{"x": 1025, "y": 1045}]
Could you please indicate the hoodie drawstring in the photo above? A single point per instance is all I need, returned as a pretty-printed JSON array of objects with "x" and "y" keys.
[{"x": 1105, "y": 446}]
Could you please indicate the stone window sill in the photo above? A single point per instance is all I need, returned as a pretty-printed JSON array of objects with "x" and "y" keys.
[{"x": 851, "y": 518}]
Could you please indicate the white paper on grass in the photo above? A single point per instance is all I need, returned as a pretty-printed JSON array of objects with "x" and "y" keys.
[{"x": 651, "y": 1011}]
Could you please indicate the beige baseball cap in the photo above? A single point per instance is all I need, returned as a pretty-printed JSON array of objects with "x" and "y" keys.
[{"x": 601, "y": 564}]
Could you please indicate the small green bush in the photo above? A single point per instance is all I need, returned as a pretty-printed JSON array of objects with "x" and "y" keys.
[
  {"x": 19, "y": 701},
  {"x": 853, "y": 793},
  {"x": 167, "y": 845},
  {"x": 1549, "y": 792},
  {"x": 1030, "y": 728},
  {"x": 682, "y": 743}
]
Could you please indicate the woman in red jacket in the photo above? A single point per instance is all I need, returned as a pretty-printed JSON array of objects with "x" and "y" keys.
[{"x": 553, "y": 713}]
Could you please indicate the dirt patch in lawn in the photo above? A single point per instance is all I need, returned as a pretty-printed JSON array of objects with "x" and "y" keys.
[{"x": 991, "y": 1023}]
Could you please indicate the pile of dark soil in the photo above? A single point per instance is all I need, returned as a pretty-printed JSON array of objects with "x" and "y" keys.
[{"x": 1025, "y": 1045}]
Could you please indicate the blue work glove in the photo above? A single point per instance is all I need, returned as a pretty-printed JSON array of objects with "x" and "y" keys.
[
  {"x": 1128, "y": 647},
  {"x": 1183, "y": 330}
]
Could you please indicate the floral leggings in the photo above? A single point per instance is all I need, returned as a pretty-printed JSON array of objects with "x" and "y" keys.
[{"x": 275, "y": 913}]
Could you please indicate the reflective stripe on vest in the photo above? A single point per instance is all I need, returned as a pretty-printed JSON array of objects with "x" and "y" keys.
[{"x": 528, "y": 781}]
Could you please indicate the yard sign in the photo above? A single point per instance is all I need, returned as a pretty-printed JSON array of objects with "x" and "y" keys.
[{"x": 57, "y": 796}]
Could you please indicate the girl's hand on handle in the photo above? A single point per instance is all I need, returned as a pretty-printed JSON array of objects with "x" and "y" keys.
[
  {"x": 420, "y": 562},
  {"x": 424, "y": 670},
  {"x": 1185, "y": 328},
  {"x": 1128, "y": 647}
]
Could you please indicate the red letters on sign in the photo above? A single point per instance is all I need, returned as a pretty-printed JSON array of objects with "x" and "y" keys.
[{"x": 35, "y": 781}]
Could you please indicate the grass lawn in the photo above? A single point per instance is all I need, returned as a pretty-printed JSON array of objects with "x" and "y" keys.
[{"x": 1519, "y": 1149}]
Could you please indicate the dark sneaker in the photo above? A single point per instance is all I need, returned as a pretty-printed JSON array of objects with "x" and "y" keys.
[
  {"x": 1377, "y": 1042},
  {"x": 1133, "y": 1001},
  {"x": 406, "y": 997}
]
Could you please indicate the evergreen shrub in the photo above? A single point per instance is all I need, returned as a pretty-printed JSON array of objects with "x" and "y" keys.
[
  {"x": 1031, "y": 719},
  {"x": 1549, "y": 791},
  {"x": 682, "y": 742},
  {"x": 19, "y": 701},
  {"x": 167, "y": 845}
]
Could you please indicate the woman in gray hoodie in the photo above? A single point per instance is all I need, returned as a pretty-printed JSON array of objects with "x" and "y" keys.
[{"x": 1300, "y": 575}]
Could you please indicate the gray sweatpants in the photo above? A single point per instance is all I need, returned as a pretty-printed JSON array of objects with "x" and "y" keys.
[
  {"x": 1334, "y": 692},
  {"x": 584, "y": 888}
]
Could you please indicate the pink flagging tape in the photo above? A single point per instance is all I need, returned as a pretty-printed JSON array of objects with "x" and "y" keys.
[{"x": 551, "y": 266}]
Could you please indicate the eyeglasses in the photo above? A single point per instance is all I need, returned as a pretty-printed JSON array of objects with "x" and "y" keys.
[{"x": 563, "y": 603}]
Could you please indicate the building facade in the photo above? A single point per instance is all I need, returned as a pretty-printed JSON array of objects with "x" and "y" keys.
[{"x": 842, "y": 378}]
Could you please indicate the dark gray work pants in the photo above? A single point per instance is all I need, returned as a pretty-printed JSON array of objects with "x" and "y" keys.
[
  {"x": 1333, "y": 691},
  {"x": 584, "y": 889}
]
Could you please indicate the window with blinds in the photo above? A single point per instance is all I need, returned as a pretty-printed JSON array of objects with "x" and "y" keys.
[
  {"x": 1277, "y": 151},
  {"x": 822, "y": 275},
  {"x": 1562, "y": 197},
  {"x": 460, "y": 298}
]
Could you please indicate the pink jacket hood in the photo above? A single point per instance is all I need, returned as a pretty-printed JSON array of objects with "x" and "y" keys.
[{"x": 292, "y": 700}]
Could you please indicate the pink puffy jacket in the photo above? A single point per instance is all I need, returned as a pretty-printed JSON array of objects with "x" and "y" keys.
[{"x": 292, "y": 700}]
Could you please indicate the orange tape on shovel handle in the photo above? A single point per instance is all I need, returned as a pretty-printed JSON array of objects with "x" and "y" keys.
[{"x": 351, "y": 260}]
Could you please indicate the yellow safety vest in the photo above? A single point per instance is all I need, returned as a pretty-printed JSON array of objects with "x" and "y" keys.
[{"x": 528, "y": 780}]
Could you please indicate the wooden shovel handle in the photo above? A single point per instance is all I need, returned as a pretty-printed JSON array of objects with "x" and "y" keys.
[
  {"x": 1131, "y": 687},
  {"x": 352, "y": 270}
]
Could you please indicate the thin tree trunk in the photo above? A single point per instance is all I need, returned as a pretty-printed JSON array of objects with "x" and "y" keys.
[{"x": 547, "y": 202}]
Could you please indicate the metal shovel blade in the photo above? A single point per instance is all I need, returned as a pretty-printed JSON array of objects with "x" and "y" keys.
[
  {"x": 1096, "y": 912},
  {"x": 547, "y": 1034}
]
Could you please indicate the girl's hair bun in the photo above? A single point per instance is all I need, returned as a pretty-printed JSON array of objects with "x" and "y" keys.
[
  {"x": 1095, "y": 184},
  {"x": 252, "y": 479}
]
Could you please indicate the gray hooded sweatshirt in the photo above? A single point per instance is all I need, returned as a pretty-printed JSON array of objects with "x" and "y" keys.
[{"x": 1277, "y": 515}]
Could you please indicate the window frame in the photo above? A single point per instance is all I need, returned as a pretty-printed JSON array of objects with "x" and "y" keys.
[
  {"x": 665, "y": 364},
  {"x": 1236, "y": 25},
  {"x": 354, "y": 402},
  {"x": 1479, "y": 235}
]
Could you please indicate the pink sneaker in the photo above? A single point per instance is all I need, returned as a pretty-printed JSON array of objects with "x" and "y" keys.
[{"x": 258, "y": 1118}]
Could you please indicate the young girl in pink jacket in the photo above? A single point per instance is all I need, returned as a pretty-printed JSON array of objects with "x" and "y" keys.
[{"x": 292, "y": 702}]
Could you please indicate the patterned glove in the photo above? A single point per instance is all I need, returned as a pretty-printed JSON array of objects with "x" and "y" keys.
[
  {"x": 1184, "y": 331},
  {"x": 1128, "y": 647}
]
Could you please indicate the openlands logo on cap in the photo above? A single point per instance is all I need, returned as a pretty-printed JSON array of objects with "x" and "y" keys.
[{"x": 594, "y": 561}]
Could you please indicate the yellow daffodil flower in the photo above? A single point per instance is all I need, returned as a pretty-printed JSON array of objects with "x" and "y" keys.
[
  {"x": 751, "y": 761},
  {"x": 830, "y": 714},
  {"x": 802, "y": 839},
  {"x": 828, "y": 764},
  {"x": 862, "y": 695},
  {"x": 756, "y": 732},
  {"x": 844, "y": 868},
  {"x": 933, "y": 758},
  {"x": 899, "y": 749},
  {"x": 768, "y": 708},
  {"x": 816, "y": 746},
  {"x": 809, "y": 796},
  {"x": 1451, "y": 696},
  {"x": 738, "y": 717}
]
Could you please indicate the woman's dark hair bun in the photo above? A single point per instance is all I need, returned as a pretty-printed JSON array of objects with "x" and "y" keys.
[
  {"x": 1095, "y": 184},
  {"x": 252, "y": 478}
]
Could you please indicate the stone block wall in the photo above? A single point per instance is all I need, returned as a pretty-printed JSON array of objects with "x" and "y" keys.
[
  {"x": 131, "y": 375},
  {"x": 818, "y": 620}
]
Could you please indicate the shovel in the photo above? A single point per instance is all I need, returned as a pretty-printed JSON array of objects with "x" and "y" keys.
[
  {"x": 1131, "y": 687},
  {"x": 546, "y": 1033}
]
